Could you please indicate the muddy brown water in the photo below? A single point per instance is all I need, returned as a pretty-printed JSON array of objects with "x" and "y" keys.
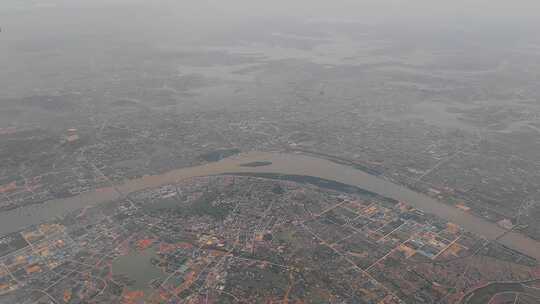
[{"x": 283, "y": 163}]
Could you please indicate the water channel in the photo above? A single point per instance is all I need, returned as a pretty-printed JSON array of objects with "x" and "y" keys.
[{"x": 281, "y": 163}]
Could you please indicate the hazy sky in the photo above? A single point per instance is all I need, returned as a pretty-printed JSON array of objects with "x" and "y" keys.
[
  {"x": 376, "y": 9},
  {"x": 202, "y": 16},
  {"x": 29, "y": 26}
]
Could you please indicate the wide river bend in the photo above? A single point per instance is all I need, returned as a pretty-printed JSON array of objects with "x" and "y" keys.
[{"x": 282, "y": 163}]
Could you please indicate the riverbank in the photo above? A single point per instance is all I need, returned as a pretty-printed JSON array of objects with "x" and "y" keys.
[{"x": 279, "y": 163}]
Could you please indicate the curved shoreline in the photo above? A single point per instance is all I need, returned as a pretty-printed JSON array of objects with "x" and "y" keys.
[
  {"x": 282, "y": 163},
  {"x": 475, "y": 295}
]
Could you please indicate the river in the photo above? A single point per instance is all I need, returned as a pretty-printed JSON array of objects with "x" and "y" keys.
[{"x": 284, "y": 163}]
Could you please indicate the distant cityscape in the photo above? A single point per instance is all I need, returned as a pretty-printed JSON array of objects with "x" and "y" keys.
[{"x": 205, "y": 152}]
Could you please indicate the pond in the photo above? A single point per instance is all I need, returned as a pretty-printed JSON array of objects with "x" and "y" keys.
[{"x": 138, "y": 267}]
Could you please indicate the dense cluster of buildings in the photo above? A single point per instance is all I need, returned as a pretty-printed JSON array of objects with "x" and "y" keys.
[{"x": 242, "y": 239}]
